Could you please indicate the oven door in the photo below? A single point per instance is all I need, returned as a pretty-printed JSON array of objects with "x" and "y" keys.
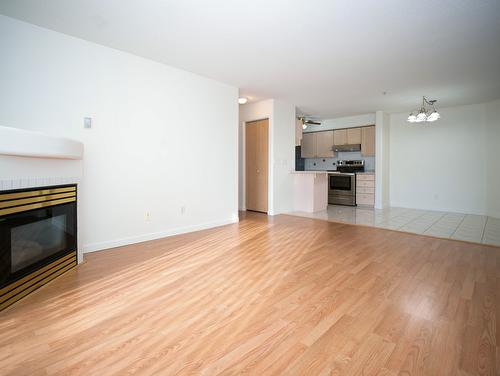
[
  {"x": 341, "y": 182},
  {"x": 341, "y": 189}
]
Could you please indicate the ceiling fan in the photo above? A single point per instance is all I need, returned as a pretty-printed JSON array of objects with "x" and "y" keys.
[{"x": 309, "y": 120}]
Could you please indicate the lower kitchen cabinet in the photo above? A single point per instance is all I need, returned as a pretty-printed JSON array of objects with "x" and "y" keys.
[{"x": 365, "y": 189}]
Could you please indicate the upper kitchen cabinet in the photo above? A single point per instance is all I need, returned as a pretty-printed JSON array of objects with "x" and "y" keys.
[
  {"x": 340, "y": 137},
  {"x": 353, "y": 136},
  {"x": 298, "y": 132},
  {"x": 324, "y": 144},
  {"x": 368, "y": 141},
  {"x": 308, "y": 145},
  {"x": 348, "y": 136},
  {"x": 317, "y": 145}
]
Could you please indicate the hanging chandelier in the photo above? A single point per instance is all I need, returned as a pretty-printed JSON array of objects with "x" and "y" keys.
[{"x": 425, "y": 114}]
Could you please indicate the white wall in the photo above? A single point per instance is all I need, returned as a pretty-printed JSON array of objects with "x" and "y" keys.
[
  {"x": 449, "y": 165},
  {"x": 162, "y": 138},
  {"x": 281, "y": 117},
  {"x": 492, "y": 121},
  {"x": 382, "y": 159},
  {"x": 283, "y": 144}
]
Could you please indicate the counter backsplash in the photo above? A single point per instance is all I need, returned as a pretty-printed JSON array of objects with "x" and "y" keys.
[{"x": 331, "y": 163}]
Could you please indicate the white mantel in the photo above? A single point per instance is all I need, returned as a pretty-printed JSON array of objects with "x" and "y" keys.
[
  {"x": 32, "y": 159},
  {"x": 24, "y": 143}
]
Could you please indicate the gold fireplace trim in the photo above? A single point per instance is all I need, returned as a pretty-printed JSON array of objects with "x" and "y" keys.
[
  {"x": 40, "y": 192},
  {"x": 11, "y": 203},
  {"x": 22, "y": 287}
]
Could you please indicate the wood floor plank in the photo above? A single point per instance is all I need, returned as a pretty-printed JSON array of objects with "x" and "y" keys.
[{"x": 269, "y": 295}]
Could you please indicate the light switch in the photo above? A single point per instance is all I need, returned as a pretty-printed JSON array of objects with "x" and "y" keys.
[{"x": 87, "y": 122}]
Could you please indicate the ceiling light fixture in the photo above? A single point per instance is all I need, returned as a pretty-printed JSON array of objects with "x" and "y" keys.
[
  {"x": 242, "y": 100},
  {"x": 425, "y": 114},
  {"x": 306, "y": 122}
]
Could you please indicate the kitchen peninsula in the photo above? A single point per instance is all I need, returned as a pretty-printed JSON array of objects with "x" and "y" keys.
[{"x": 310, "y": 191}]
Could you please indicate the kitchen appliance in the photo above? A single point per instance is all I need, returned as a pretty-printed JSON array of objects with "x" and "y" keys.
[
  {"x": 356, "y": 165},
  {"x": 344, "y": 148},
  {"x": 342, "y": 183}
]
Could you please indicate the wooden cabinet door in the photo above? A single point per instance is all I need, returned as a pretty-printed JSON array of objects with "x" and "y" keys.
[
  {"x": 256, "y": 162},
  {"x": 353, "y": 136},
  {"x": 368, "y": 141},
  {"x": 308, "y": 148},
  {"x": 324, "y": 144},
  {"x": 298, "y": 132},
  {"x": 340, "y": 137}
]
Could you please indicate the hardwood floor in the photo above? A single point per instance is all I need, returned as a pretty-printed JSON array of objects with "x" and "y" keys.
[{"x": 287, "y": 295}]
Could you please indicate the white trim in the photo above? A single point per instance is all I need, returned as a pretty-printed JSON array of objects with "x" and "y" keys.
[{"x": 156, "y": 235}]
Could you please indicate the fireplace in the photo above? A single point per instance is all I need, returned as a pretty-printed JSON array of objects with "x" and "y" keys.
[{"x": 37, "y": 238}]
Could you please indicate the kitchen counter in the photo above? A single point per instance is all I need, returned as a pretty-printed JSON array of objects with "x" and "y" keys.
[
  {"x": 310, "y": 190},
  {"x": 310, "y": 172},
  {"x": 366, "y": 173}
]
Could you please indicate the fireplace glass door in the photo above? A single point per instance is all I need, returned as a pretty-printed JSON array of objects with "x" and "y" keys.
[{"x": 33, "y": 238}]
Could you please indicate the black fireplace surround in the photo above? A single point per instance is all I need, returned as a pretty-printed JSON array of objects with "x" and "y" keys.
[{"x": 37, "y": 227}]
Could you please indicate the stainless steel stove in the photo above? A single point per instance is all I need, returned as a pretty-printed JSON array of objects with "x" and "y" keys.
[{"x": 342, "y": 183}]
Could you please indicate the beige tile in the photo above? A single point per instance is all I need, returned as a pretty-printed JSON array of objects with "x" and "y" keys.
[{"x": 468, "y": 227}]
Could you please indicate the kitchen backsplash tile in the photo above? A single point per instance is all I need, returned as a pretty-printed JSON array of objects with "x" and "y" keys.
[{"x": 331, "y": 163}]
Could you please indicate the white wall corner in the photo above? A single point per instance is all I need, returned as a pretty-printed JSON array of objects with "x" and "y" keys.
[{"x": 382, "y": 158}]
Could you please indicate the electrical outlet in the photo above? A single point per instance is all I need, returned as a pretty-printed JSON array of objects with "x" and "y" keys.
[
  {"x": 183, "y": 209},
  {"x": 147, "y": 216}
]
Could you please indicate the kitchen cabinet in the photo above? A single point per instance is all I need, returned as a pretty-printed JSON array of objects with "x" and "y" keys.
[
  {"x": 347, "y": 136},
  {"x": 368, "y": 141},
  {"x": 298, "y": 132},
  {"x": 340, "y": 137},
  {"x": 317, "y": 145},
  {"x": 365, "y": 189},
  {"x": 320, "y": 144},
  {"x": 308, "y": 145},
  {"x": 324, "y": 144},
  {"x": 353, "y": 136}
]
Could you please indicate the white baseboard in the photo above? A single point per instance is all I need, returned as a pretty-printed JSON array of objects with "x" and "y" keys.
[{"x": 93, "y": 247}]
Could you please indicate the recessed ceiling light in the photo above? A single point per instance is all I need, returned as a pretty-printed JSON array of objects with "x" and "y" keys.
[{"x": 242, "y": 100}]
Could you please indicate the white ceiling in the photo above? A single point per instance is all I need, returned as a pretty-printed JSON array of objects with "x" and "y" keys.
[{"x": 329, "y": 57}]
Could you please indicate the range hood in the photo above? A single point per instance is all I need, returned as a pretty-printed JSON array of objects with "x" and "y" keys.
[{"x": 351, "y": 147}]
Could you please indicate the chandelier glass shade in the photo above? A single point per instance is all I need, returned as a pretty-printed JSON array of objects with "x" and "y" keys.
[{"x": 427, "y": 112}]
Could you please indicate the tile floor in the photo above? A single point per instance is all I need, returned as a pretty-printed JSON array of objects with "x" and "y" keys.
[{"x": 468, "y": 227}]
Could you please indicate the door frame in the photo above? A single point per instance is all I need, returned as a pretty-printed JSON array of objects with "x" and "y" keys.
[{"x": 269, "y": 164}]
